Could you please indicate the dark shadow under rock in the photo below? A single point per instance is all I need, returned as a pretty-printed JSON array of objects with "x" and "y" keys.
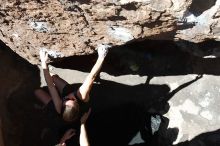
[
  {"x": 151, "y": 58},
  {"x": 18, "y": 81}
]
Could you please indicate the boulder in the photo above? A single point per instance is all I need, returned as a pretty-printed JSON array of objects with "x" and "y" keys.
[{"x": 76, "y": 27}]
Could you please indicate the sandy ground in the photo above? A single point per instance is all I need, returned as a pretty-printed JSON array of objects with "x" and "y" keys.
[
  {"x": 134, "y": 87},
  {"x": 193, "y": 110}
]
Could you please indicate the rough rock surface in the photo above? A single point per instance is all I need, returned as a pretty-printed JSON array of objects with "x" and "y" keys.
[
  {"x": 161, "y": 79},
  {"x": 18, "y": 81},
  {"x": 76, "y": 27}
]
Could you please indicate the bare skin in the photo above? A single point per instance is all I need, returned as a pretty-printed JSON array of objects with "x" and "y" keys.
[
  {"x": 68, "y": 134},
  {"x": 71, "y": 132},
  {"x": 56, "y": 84}
]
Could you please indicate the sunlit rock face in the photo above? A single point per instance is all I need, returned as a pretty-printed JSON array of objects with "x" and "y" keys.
[{"x": 68, "y": 28}]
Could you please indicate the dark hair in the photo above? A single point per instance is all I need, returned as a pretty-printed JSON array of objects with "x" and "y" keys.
[{"x": 71, "y": 113}]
